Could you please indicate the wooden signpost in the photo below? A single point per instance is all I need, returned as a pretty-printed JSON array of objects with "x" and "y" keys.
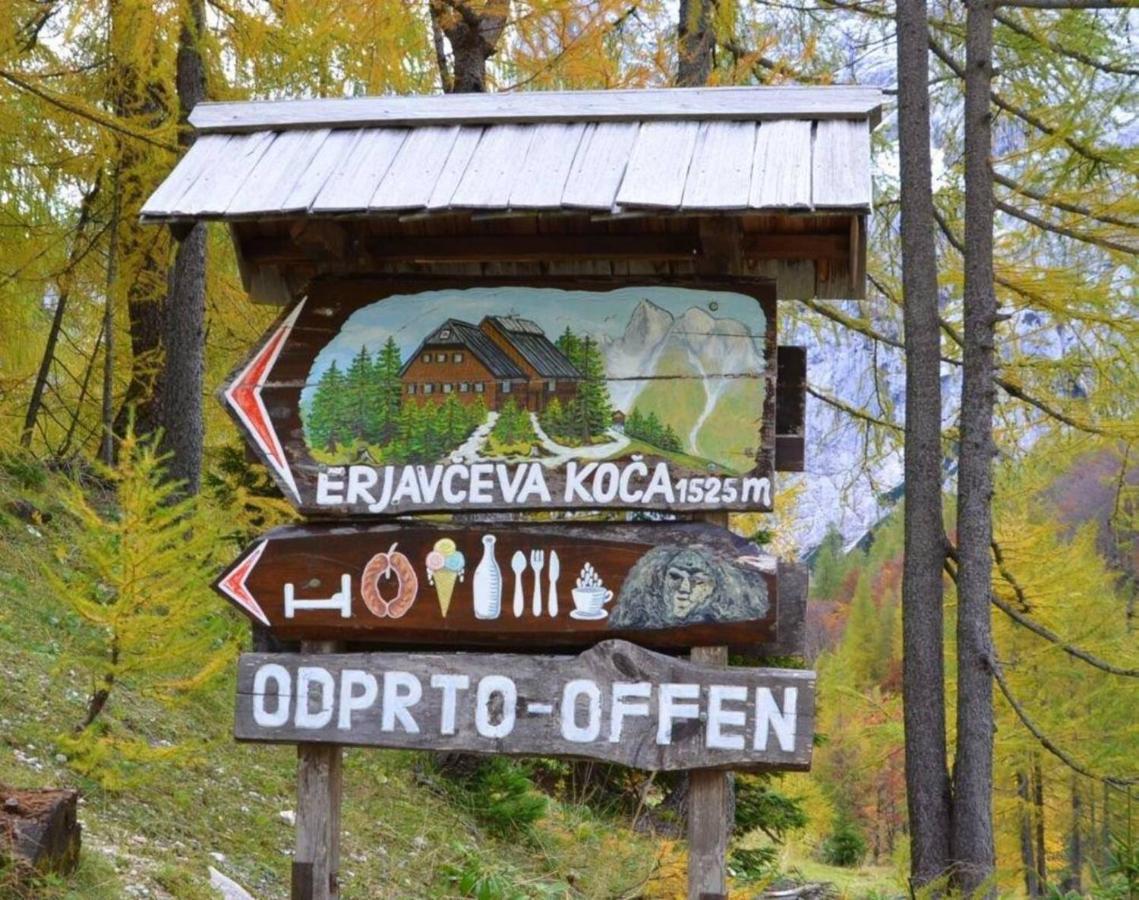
[
  {"x": 520, "y": 304},
  {"x": 385, "y": 398},
  {"x": 512, "y": 586},
  {"x": 616, "y": 702}
]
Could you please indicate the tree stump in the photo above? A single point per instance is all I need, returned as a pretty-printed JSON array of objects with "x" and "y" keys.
[{"x": 39, "y": 831}]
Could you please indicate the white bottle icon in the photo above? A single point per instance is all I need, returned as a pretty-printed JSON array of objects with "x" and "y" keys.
[{"x": 488, "y": 583}]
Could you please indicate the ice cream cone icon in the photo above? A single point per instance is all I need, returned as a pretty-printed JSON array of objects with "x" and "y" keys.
[{"x": 445, "y": 565}]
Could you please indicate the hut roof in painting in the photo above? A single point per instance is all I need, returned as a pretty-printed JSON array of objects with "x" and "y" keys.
[{"x": 693, "y": 149}]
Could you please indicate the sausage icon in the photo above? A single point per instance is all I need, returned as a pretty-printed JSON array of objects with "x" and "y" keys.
[{"x": 381, "y": 568}]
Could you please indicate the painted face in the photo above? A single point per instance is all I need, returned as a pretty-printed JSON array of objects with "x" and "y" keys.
[{"x": 688, "y": 583}]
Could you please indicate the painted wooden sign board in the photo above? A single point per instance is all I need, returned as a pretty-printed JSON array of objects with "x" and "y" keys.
[
  {"x": 616, "y": 702},
  {"x": 508, "y": 585},
  {"x": 387, "y": 398}
]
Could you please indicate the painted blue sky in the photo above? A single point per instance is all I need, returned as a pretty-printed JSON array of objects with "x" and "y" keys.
[{"x": 409, "y": 318}]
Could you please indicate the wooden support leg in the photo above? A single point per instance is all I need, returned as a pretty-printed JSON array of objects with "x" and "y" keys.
[
  {"x": 316, "y": 860},
  {"x": 708, "y": 803}
]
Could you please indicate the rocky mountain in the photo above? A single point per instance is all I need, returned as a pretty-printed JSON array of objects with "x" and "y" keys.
[{"x": 694, "y": 362}]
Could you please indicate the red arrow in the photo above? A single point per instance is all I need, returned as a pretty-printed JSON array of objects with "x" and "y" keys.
[
  {"x": 244, "y": 397},
  {"x": 232, "y": 583}
]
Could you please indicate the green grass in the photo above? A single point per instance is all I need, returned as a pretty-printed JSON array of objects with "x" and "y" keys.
[
  {"x": 733, "y": 426},
  {"x": 402, "y": 837}
]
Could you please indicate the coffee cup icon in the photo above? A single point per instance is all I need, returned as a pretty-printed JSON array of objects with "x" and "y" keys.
[{"x": 588, "y": 602}]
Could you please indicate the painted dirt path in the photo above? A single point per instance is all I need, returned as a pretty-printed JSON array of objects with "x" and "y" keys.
[{"x": 562, "y": 454}]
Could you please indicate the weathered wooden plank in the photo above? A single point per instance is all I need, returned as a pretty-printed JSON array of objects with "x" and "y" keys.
[
  {"x": 475, "y": 355},
  {"x": 211, "y": 191},
  {"x": 790, "y": 409},
  {"x": 600, "y": 165},
  {"x": 362, "y": 167},
  {"x": 616, "y": 702},
  {"x": 316, "y": 858},
  {"x": 466, "y": 142},
  {"x": 312, "y": 177},
  {"x": 415, "y": 169},
  {"x": 719, "y": 176},
  {"x": 740, "y": 103},
  {"x": 493, "y": 167},
  {"x": 277, "y": 171},
  {"x": 841, "y": 165},
  {"x": 207, "y": 151},
  {"x": 658, "y": 165},
  {"x": 781, "y": 166},
  {"x": 709, "y": 811},
  {"x": 550, "y": 585},
  {"x": 542, "y": 176}
]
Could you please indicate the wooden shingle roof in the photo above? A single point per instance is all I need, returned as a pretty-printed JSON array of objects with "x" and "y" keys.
[{"x": 689, "y": 150}]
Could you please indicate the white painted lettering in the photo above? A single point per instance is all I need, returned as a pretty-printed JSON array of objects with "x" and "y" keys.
[
  {"x": 481, "y": 483},
  {"x": 429, "y": 481},
  {"x": 720, "y": 718},
  {"x": 309, "y": 677},
  {"x": 606, "y": 481},
  {"x": 385, "y": 496},
  {"x": 506, "y": 485},
  {"x": 408, "y": 487},
  {"x": 450, "y": 495},
  {"x": 571, "y": 731},
  {"x": 769, "y": 717},
  {"x": 669, "y": 709},
  {"x": 329, "y": 487},
  {"x": 361, "y": 480},
  {"x": 660, "y": 483},
  {"x": 626, "y": 493},
  {"x": 350, "y": 701},
  {"x": 575, "y": 481},
  {"x": 535, "y": 484},
  {"x": 622, "y": 691},
  {"x": 279, "y": 675},
  {"x": 450, "y": 685},
  {"x": 402, "y": 690},
  {"x": 756, "y": 490},
  {"x": 505, "y": 688}
]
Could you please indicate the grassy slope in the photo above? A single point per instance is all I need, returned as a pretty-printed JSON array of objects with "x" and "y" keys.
[{"x": 401, "y": 837}]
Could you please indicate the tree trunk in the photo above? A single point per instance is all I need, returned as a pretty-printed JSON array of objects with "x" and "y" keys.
[
  {"x": 973, "y": 763},
  {"x": 695, "y": 42},
  {"x": 1073, "y": 881},
  {"x": 184, "y": 331},
  {"x": 138, "y": 97},
  {"x": 64, "y": 295},
  {"x": 1027, "y": 860},
  {"x": 1038, "y": 821},
  {"x": 923, "y": 663},
  {"x": 473, "y": 29}
]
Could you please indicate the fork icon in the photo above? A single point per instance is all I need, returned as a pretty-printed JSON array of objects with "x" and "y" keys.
[{"x": 537, "y": 560}]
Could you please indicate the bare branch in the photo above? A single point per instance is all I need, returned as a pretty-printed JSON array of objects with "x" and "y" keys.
[
  {"x": 850, "y": 410},
  {"x": 1082, "y": 236},
  {"x": 1071, "y": 4},
  {"x": 1056, "y": 47},
  {"x": 1041, "y": 197},
  {"x": 87, "y": 114},
  {"x": 1024, "y": 115},
  {"x": 1046, "y": 742}
]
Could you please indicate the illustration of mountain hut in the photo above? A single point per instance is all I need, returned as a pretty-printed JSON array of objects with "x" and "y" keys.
[{"x": 501, "y": 358}]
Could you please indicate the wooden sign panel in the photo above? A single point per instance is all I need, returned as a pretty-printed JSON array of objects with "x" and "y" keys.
[
  {"x": 509, "y": 586},
  {"x": 616, "y": 702},
  {"x": 385, "y": 399}
]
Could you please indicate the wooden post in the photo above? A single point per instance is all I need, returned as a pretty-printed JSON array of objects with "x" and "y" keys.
[
  {"x": 709, "y": 799},
  {"x": 316, "y": 859}
]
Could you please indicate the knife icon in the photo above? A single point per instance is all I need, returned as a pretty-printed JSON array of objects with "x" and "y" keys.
[{"x": 555, "y": 571}]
